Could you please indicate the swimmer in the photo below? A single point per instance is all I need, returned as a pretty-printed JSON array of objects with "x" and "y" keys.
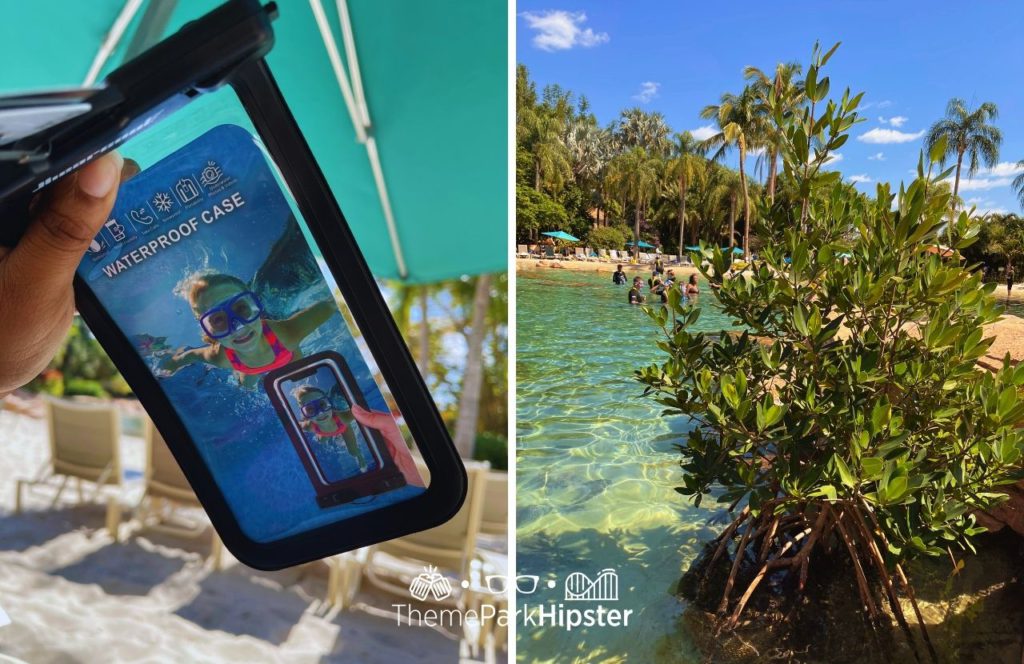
[
  {"x": 619, "y": 277},
  {"x": 691, "y": 286},
  {"x": 327, "y": 422},
  {"x": 238, "y": 334}
]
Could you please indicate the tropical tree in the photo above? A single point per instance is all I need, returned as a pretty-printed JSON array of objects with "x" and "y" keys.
[
  {"x": 967, "y": 133},
  {"x": 634, "y": 175},
  {"x": 783, "y": 90},
  {"x": 1018, "y": 183},
  {"x": 639, "y": 129},
  {"x": 473, "y": 374},
  {"x": 686, "y": 163},
  {"x": 741, "y": 122},
  {"x": 550, "y": 156}
]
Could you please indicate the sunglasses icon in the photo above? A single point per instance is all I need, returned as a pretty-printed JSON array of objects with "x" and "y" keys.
[{"x": 525, "y": 584}]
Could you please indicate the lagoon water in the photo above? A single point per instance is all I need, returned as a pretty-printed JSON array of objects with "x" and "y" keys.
[{"x": 597, "y": 466}]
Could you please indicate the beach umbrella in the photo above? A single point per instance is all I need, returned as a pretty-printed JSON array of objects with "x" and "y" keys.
[
  {"x": 424, "y": 96},
  {"x": 561, "y": 235},
  {"x": 641, "y": 244},
  {"x": 735, "y": 250},
  {"x": 692, "y": 248}
]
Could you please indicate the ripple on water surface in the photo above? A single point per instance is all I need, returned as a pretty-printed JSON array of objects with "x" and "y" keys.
[{"x": 596, "y": 465}]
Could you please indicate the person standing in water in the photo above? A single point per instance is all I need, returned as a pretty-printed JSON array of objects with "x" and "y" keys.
[
  {"x": 327, "y": 422},
  {"x": 239, "y": 335},
  {"x": 635, "y": 297},
  {"x": 619, "y": 277},
  {"x": 1009, "y": 280}
]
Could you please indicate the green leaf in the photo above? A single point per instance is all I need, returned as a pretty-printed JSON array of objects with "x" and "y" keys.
[
  {"x": 844, "y": 472},
  {"x": 896, "y": 489},
  {"x": 938, "y": 150},
  {"x": 872, "y": 467}
]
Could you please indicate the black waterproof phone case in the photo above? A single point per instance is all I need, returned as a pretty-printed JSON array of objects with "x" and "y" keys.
[{"x": 230, "y": 293}]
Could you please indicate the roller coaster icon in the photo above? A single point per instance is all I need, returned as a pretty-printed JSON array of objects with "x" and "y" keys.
[{"x": 604, "y": 588}]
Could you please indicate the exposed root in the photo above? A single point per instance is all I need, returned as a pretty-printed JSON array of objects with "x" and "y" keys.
[{"x": 787, "y": 542}]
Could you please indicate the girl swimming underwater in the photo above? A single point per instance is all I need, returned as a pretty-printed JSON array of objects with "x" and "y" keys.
[
  {"x": 327, "y": 422},
  {"x": 240, "y": 337}
]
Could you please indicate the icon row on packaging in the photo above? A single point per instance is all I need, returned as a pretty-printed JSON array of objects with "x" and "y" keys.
[{"x": 163, "y": 205}]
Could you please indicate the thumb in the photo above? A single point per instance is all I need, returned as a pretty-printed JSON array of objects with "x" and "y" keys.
[{"x": 66, "y": 222}]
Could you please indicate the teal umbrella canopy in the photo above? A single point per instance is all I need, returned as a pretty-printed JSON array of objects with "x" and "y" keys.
[
  {"x": 692, "y": 248},
  {"x": 641, "y": 244},
  {"x": 434, "y": 79},
  {"x": 735, "y": 250},
  {"x": 561, "y": 235}
]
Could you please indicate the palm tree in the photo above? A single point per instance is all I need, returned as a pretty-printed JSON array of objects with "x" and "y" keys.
[
  {"x": 634, "y": 175},
  {"x": 687, "y": 160},
  {"x": 639, "y": 129},
  {"x": 741, "y": 122},
  {"x": 967, "y": 133},
  {"x": 789, "y": 94},
  {"x": 466, "y": 423},
  {"x": 1018, "y": 183},
  {"x": 550, "y": 157}
]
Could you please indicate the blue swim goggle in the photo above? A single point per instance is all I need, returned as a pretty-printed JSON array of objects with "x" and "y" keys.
[
  {"x": 224, "y": 318},
  {"x": 311, "y": 409}
]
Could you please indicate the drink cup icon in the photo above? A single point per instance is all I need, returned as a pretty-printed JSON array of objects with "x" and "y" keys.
[{"x": 430, "y": 582}]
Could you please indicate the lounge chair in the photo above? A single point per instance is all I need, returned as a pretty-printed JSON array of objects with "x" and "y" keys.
[
  {"x": 580, "y": 254},
  {"x": 521, "y": 251},
  {"x": 85, "y": 444},
  {"x": 495, "y": 515},
  {"x": 166, "y": 492},
  {"x": 451, "y": 548},
  {"x": 614, "y": 255}
]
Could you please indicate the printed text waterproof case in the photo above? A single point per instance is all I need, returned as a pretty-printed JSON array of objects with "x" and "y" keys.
[{"x": 205, "y": 290}]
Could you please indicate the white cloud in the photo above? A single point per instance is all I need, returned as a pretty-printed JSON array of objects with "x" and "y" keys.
[
  {"x": 834, "y": 158},
  {"x": 985, "y": 206},
  {"x": 884, "y": 136},
  {"x": 1002, "y": 169},
  {"x": 859, "y": 179},
  {"x": 896, "y": 120},
  {"x": 885, "y": 103},
  {"x": 648, "y": 91},
  {"x": 703, "y": 133},
  {"x": 878, "y": 156},
  {"x": 981, "y": 184},
  {"x": 756, "y": 152},
  {"x": 559, "y": 30}
]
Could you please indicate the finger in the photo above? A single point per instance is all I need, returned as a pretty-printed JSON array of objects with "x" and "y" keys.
[
  {"x": 65, "y": 224},
  {"x": 129, "y": 170},
  {"x": 370, "y": 418}
]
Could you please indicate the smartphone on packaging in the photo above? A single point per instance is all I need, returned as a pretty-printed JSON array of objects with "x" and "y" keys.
[{"x": 320, "y": 404}]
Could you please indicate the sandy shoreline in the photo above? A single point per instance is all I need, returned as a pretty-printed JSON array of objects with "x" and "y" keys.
[
  {"x": 1016, "y": 295},
  {"x": 594, "y": 266}
]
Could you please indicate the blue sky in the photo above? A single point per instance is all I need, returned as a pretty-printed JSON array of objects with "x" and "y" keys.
[{"x": 909, "y": 57}]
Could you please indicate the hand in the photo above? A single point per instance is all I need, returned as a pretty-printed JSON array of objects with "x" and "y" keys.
[
  {"x": 399, "y": 451},
  {"x": 36, "y": 299}
]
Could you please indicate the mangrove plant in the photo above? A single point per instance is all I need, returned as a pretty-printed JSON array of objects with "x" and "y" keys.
[{"x": 849, "y": 417}]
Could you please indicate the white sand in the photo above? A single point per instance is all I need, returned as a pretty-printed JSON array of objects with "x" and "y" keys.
[{"x": 75, "y": 596}]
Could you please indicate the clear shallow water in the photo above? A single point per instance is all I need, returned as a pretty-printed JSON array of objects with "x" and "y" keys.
[{"x": 596, "y": 467}]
